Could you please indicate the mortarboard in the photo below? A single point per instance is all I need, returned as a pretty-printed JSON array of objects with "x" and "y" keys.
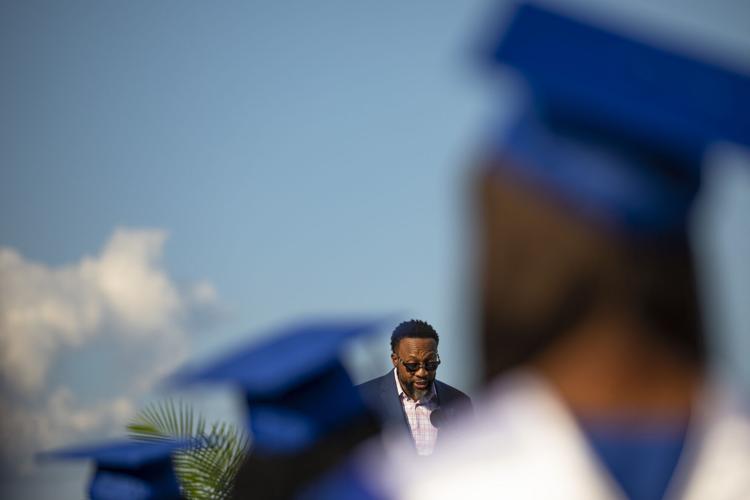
[
  {"x": 133, "y": 470},
  {"x": 295, "y": 386},
  {"x": 304, "y": 413},
  {"x": 616, "y": 127}
]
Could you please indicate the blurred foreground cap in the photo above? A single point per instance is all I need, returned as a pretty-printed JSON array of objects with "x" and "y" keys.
[
  {"x": 135, "y": 470},
  {"x": 615, "y": 126},
  {"x": 296, "y": 387}
]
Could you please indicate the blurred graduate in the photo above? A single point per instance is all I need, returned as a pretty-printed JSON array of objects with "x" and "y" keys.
[{"x": 595, "y": 353}]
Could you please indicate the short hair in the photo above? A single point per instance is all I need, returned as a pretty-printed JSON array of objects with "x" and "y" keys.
[{"x": 414, "y": 328}]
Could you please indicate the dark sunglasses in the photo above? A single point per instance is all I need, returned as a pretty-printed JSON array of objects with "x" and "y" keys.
[{"x": 430, "y": 366}]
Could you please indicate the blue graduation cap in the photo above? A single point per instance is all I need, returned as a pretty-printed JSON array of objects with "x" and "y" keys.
[
  {"x": 296, "y": 388},
  {"x": 615, "y": 126},
  {"x": 132, "y": 470}
]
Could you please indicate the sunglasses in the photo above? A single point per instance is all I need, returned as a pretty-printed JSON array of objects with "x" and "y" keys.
[{"x": 430, "y": 366}]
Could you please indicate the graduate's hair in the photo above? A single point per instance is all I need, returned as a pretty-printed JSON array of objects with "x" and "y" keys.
[
  {"x": 414, "y": 328},
  {"x": 586, "y": 265},
  {"x": 662, "y": 279}
]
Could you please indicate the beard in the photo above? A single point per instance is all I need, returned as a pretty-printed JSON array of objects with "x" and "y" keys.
[
  {"x": 413, "y": 391},
  {"x": 421, "y": 393}
]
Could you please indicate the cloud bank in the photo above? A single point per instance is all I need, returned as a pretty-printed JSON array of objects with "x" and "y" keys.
[{"x": 122, "y": 299}]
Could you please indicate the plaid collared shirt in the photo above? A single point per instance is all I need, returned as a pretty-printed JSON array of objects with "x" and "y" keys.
[{"x": 418, "y": 415}]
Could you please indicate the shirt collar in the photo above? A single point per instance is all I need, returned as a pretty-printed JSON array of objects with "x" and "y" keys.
[{"x": 401, "y": 394}]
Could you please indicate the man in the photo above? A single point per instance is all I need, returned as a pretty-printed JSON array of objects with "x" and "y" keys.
[
  {"x": 594, "y": 350},
  {"x": 409, "y": 399}
]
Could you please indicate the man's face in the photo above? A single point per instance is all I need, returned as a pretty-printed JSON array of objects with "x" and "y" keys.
[{"x": 416, "y": 384}]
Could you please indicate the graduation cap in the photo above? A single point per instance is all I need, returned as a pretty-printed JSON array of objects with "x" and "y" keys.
[
  {"x": 615, "y": 126},
  {"x": 296, "y": 388},
  {"x": 304, "y": 413},
  {"x": 133, "y": 470}
]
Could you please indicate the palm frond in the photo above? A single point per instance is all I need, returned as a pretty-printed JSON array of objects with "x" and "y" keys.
[{"x": 207, "y": 467}]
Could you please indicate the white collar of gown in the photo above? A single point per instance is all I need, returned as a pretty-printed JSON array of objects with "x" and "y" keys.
[{"x": 525, "y": 444}]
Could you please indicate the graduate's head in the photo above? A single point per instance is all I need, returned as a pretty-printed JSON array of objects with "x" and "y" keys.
[
  {"x": 543, "y": 269},
  {"x": 414, "y": 354},
  {"x": 584, "y": 202}
]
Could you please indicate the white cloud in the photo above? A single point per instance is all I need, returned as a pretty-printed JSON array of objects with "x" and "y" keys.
[
  {"x": 124, "y": 289},
  {"x": 135, "y": 291},
  {"x": 60, "y": 420},
  {"x": 120, "y": 300}
]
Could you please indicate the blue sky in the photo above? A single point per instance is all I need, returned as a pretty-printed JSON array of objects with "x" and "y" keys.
[{"x": 177, "y": 175}]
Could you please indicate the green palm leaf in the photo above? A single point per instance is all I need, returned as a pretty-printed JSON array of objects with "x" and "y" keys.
[{"x": 206, "y": 469}]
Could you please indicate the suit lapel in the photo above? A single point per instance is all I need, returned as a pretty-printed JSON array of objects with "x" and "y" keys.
[
  {"x": 444, "y": 403},
  {"x": 391, "y": 403}
]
